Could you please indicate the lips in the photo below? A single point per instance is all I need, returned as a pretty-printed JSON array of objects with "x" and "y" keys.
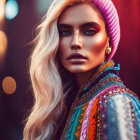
[{"x": 76, "y": 56}]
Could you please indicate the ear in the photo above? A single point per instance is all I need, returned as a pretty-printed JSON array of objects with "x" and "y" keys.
[{"x": 108, "y": 44}]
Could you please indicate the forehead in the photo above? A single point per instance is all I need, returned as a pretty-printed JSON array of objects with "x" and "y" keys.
[{"x": 79, "y": 14}]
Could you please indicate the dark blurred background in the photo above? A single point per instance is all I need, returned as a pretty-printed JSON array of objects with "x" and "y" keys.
[{"x": 17, "y": 30}]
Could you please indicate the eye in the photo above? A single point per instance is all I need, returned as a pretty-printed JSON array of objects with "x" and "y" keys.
[
  {"x": 65, "y": 33},
  {"x": 90, "y": 32}
]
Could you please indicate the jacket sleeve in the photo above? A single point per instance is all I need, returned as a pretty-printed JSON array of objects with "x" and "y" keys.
[{"x": 122, "y": 119}]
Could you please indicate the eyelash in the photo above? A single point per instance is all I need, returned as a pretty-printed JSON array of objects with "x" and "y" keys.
[
  {"x": 90, "y": 32},
  {"x": 62, "y": 33},
  {"x": 86, "y": 32}
]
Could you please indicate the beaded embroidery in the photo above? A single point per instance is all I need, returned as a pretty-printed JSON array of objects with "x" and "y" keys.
[{"x": 104, "y": 83}]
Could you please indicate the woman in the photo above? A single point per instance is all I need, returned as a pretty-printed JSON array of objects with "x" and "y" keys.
[{"x": 78, "y": 93}]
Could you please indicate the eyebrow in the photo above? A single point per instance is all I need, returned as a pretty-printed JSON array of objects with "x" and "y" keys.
[{"x": 88, "y": 24}]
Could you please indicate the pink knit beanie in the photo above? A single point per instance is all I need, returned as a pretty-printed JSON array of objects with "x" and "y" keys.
[{"x": 110, "y": 14}]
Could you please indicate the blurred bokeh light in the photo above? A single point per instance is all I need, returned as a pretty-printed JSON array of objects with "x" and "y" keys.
[
  {"x": 3, "y": 45},
  {"x": 11, "y": 9},
  {"x": 9, "y": 85}
]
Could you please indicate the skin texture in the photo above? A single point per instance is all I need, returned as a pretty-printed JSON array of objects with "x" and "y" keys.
[{"x": 82, "y": 31}]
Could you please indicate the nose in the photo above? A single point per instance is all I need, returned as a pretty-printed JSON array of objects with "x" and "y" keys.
[{"x": 76, "y": 42}]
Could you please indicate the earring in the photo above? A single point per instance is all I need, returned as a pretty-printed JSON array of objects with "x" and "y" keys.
[{"x": 108, "y": 50}]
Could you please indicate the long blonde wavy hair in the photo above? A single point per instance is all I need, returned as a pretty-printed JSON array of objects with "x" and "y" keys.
[{"x": 45, "y": 75}]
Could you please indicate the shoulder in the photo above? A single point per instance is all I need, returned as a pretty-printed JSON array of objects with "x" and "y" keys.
[
  {"x": 120, "y": 93},
  {"x": 121, "y": 110},
  {"x": 117, "y": 98},
  {"x": 120, "y": 97}
]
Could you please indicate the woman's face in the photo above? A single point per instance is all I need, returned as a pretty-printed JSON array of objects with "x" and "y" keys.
[{"x": 83, "y": 38}]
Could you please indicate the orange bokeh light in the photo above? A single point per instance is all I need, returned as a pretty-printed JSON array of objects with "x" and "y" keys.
[
  {"x": 3, "y": 44},
  {"x": 9, "y": 85}
]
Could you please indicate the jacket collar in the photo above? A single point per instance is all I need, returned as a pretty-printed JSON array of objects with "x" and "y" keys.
[{"x": 105, "y": 76}]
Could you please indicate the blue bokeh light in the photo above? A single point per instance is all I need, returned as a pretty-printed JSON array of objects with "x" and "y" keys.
[{"x": 11, "y": 9}]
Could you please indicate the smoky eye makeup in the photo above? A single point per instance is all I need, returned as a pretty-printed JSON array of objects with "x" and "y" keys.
[
  {"x": 88, "y": 29},
  {"x": 89, "y": 32},
  {"x": 65, "y": 32},
  {"x": 64, "y": 29}
]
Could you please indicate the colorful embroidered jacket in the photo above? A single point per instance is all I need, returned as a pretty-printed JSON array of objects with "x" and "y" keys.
[{"x": 107, "y": 111}]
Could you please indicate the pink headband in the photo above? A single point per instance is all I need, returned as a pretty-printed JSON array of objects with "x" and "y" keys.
[{"x": 111, "y": 16}]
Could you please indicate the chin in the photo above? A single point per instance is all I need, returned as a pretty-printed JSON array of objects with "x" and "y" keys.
[{"x": 78, "y": 70}]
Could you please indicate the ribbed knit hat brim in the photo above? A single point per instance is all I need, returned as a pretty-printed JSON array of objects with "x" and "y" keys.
[{"x": 110, "y": 14}]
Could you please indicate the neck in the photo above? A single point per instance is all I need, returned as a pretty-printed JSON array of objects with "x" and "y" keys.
[{"x": 81, "y": 78}]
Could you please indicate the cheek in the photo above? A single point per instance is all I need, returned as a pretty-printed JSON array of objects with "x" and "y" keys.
[
  {"x": 63, "y": 49},
  {"x": 97, "y": 43}
]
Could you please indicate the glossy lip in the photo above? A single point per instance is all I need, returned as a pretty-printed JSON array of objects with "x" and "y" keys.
[{"x": 76, "y": 56}]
